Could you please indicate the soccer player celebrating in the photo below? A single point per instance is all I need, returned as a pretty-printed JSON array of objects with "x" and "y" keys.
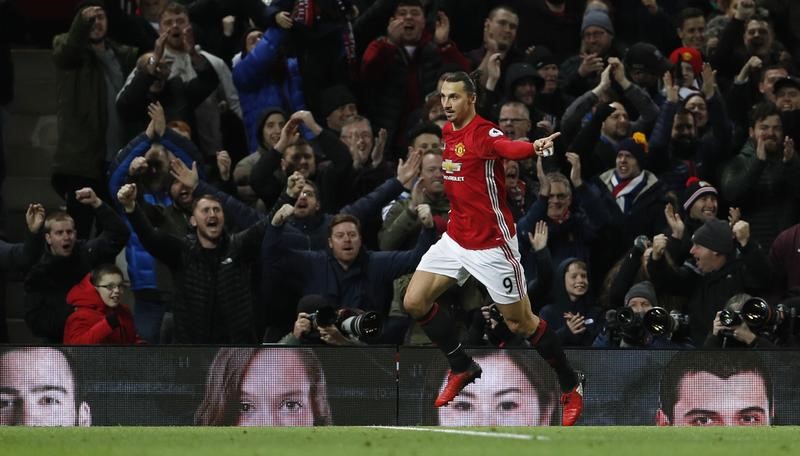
[{"x": 481, "y": 241}]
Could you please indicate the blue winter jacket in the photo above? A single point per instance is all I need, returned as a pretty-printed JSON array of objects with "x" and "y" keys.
[
  {"x": 254, "y": 78},
  {"x": 366, "y": 284},
  {"x": 141, "y": 265}
]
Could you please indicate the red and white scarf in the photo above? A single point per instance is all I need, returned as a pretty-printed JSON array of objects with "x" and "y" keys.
[{"x": 624, "y": 191}]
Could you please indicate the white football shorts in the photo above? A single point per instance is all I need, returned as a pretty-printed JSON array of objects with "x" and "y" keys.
[{"x": 499, "y": 268}]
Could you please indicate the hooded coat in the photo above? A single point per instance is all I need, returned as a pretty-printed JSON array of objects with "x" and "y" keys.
[
  {"x": 93, "y": 322},
  {"x": 585, "y": 305}
]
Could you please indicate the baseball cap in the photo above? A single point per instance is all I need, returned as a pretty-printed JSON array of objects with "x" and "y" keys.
[{"x": 784, "y": 82}]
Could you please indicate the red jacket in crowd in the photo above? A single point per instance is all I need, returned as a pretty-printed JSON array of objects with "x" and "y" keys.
[{"x": 93, "y": 322}]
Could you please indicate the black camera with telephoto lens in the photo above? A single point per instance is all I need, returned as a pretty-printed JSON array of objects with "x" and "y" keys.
[
  {"x": 364, "y": 326},
  {"x": 658, "y": 321},
  {"x": 627, "y": 325},
  {"x": 759, "y": 315},
  {"x": 324, "y": 316},
  {"x": 352, "y": 323},
  {"x": 729, "y": 319},
  {"x": 635, "y": 329}
]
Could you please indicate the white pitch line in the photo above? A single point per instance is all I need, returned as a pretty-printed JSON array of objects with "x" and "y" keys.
[{"x": 471, "y": 433}]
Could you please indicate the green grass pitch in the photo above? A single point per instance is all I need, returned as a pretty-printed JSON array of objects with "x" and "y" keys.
[{"x": 335, "y": 441}]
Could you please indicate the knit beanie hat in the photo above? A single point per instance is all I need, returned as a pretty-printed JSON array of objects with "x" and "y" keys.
[
  {"x": 695, "y": 189},
  {"x": 335, "y": 97},
  {"x": 644, "y": 290},
  {"x": 597, "y": 18},
  {"x": 715, "y": 235},
  {"x": 637, "y": 146}
]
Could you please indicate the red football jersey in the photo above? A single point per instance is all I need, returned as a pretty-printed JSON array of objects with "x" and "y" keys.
[{"x": 475, "y": 183}]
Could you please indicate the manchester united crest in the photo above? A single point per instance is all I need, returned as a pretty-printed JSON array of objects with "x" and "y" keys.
[{"x": 460, "y": 149}]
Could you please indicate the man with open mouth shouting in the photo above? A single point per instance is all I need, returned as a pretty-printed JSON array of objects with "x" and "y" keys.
[{"x": 211, "y": 269}]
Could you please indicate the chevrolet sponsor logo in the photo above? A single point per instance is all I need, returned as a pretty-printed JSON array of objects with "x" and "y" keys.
[{"x": 450, "y": 167}]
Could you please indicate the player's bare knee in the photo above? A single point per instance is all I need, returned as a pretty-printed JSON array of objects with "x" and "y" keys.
[{"x": 415, "y": 305}]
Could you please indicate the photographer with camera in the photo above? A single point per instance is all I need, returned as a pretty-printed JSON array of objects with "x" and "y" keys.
[
  {"x": 731, "y": 328},
  {"x": 319, "y": 323},
  {"x": 719, "y": 271},
  {"x": 627, "y": 327},
  {"x": 345, "y": 274}
]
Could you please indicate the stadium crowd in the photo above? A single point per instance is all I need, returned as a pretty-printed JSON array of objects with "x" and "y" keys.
[{"x": 273, "y": 170}]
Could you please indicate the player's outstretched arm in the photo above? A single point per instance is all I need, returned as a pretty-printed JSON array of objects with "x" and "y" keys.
[{"x": 519, "y": 150}]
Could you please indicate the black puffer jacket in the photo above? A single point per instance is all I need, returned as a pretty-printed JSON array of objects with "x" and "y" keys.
[{"x": 214, "y": 302}]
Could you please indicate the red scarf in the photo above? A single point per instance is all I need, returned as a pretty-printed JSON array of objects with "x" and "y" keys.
[{"x": 618, "y": 188}]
